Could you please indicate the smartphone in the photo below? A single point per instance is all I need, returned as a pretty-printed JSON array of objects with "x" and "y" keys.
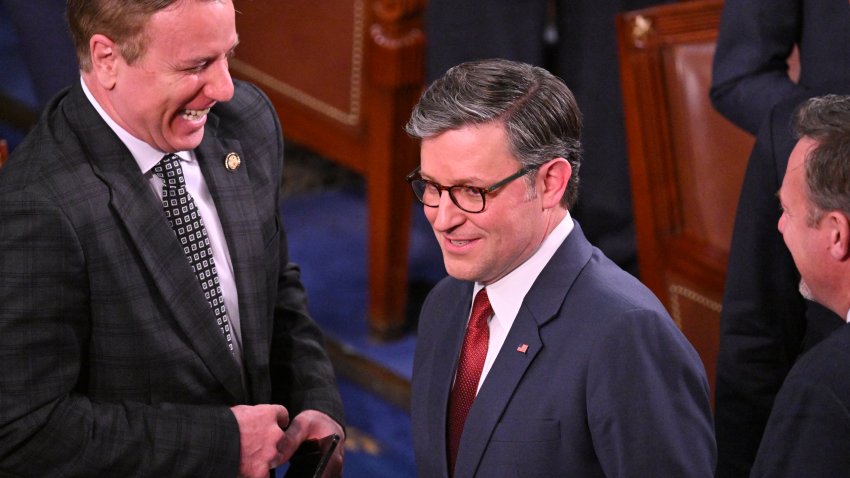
[{"x": 311, "y": 458}]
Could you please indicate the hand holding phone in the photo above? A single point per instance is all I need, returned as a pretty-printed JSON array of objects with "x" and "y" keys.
[{"x": 311, "y": 458}]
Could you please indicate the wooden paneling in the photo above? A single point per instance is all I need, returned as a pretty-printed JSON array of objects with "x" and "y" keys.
[
  {"x": 343, "y": 76},
  {"x": 686, "y": 162}
]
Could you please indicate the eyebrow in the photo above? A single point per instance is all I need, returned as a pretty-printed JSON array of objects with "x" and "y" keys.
[
  {"x": 463, "y": 182},
  {"x": 233, "y": 48},
  {"x": 207, "y": 59},
  {"x": 781, "y": 202}
]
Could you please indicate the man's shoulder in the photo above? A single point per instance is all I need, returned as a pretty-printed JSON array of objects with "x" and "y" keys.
[
  {"x": 608, "y": 286},
  {"x": 37, "y": 157},
  {"x": 249, "y": 118},
  {"x": 248, "y": 100},
  {"x": 449, "y": 289},
  {"x": 825, "y": 363}
]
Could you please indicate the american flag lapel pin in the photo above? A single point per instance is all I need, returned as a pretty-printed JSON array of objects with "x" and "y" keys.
[{"x": 522, "y": 348}]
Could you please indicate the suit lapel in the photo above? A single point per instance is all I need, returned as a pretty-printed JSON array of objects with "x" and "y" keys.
[
  {"x": 496, "y": 392},
  {"x": 234, "y": 200},
  {"x": 541, "y": 305},
  {"x": 138, "y": 209}
]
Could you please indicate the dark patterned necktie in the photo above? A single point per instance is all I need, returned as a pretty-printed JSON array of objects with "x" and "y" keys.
[
  {"x": 189, "y": 227},
  {"x": 469, "y": 369}
]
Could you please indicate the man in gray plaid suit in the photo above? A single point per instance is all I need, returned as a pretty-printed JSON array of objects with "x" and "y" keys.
[{"x": 117, "y": 360}]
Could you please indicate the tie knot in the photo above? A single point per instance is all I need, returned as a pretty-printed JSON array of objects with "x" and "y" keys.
[
  {"x": 481, "y": 309},
  {"x": 169, "y": 170}
]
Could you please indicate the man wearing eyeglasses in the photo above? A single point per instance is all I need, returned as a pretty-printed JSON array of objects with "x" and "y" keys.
[{"x": 538, "y": 356}]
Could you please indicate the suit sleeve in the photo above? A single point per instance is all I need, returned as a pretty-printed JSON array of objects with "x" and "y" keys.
[
  {"x": 48, "y": 427},
  {"x": 750, "y": 69},
  {"x": 807, "y": 433},
  {"x": 648, "y": 401},
  {"x": 762, "y": 321}
]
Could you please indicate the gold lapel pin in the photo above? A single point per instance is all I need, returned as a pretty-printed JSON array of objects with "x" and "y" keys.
[{"x": 232, "y": 161}]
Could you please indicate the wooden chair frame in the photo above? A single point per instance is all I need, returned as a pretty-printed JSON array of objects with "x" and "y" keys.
[
  {"x": 686, "y": 162},
  {"x": 375, "y": 48}
]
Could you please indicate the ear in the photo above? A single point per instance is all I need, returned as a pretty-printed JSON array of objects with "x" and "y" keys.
[
  {"x": 838, "y": 229},
  {"x": 105, "y": 60},
  {"x": 554, "y": 176}
]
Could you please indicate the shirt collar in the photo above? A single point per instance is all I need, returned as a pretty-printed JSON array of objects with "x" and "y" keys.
[{"x": 506, "y": 294}]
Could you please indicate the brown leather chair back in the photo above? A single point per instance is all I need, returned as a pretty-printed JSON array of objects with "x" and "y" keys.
[{"x": 686, "y": 162}]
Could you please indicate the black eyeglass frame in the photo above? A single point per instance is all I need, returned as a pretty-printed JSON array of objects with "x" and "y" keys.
[{"x": 414, "y": 176}]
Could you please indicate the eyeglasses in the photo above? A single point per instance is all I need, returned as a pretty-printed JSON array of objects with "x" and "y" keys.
[{"x": 471, "y": 199}]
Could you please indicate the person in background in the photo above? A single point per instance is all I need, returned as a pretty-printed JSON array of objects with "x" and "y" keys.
[
  {"x": 808, "y": 431},
  {"x": 46, "y": 45},
  {"x": 750, "y": 72},
  {"x": 538, "y": 356},
  {"x": 765, "y": 323},
  {"x": 150, "y": 321}
]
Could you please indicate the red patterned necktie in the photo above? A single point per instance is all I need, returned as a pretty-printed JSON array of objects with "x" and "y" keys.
[{"x": 469, "y": 369}]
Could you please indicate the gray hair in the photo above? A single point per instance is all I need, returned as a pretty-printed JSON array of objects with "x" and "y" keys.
[
  {"x": 826, "y": 119},
  {"x": 537, "y": 109}
]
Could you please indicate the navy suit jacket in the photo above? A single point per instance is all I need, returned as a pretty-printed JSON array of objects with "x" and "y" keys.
[
  {"x": 113, "y": 362},
  {"x": 750, "y": 69},
  {"x": 808, "y": 433},
  {"x": 608, "y": 386}
]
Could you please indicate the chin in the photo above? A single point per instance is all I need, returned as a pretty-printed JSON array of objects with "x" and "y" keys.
[
  {"x": 182, "y": 138},
  {"x": 187, "y": 144},
  {"x": 459, "y": 272},
  {"x": 806, "y": 291}
]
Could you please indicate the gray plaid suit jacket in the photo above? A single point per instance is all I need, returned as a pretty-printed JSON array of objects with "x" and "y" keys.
[{"x": 112, "y": 362}]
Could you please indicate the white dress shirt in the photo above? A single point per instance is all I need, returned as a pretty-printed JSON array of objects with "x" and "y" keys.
[{"x": 506, "y": 294}]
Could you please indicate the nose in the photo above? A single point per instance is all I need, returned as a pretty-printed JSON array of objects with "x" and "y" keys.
[
  {"x": 446, "y": 215},
  {"x": 220, "y": 84}
]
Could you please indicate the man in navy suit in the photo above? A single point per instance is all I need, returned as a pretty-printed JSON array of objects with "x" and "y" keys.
[
  {"x": 808, "y": 431},
  {"x": 574, "y": 368},
  {"x": 117, "y": 359}
]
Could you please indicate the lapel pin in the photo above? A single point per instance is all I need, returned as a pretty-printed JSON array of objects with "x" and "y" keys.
[
  {"x": 232, "y": 161},
  {"x": 522, "y": 348}
]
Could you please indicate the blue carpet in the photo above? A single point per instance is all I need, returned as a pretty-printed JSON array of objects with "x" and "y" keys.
[{"x": 327, "y": 238}]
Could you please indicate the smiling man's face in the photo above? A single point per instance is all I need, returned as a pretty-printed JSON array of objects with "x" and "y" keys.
[{"x": 163, "y": 98}]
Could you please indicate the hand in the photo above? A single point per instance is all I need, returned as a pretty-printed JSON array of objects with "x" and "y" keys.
[
  {"x": 312, "y": 424},
  {"x": 261, "y": 435}
]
